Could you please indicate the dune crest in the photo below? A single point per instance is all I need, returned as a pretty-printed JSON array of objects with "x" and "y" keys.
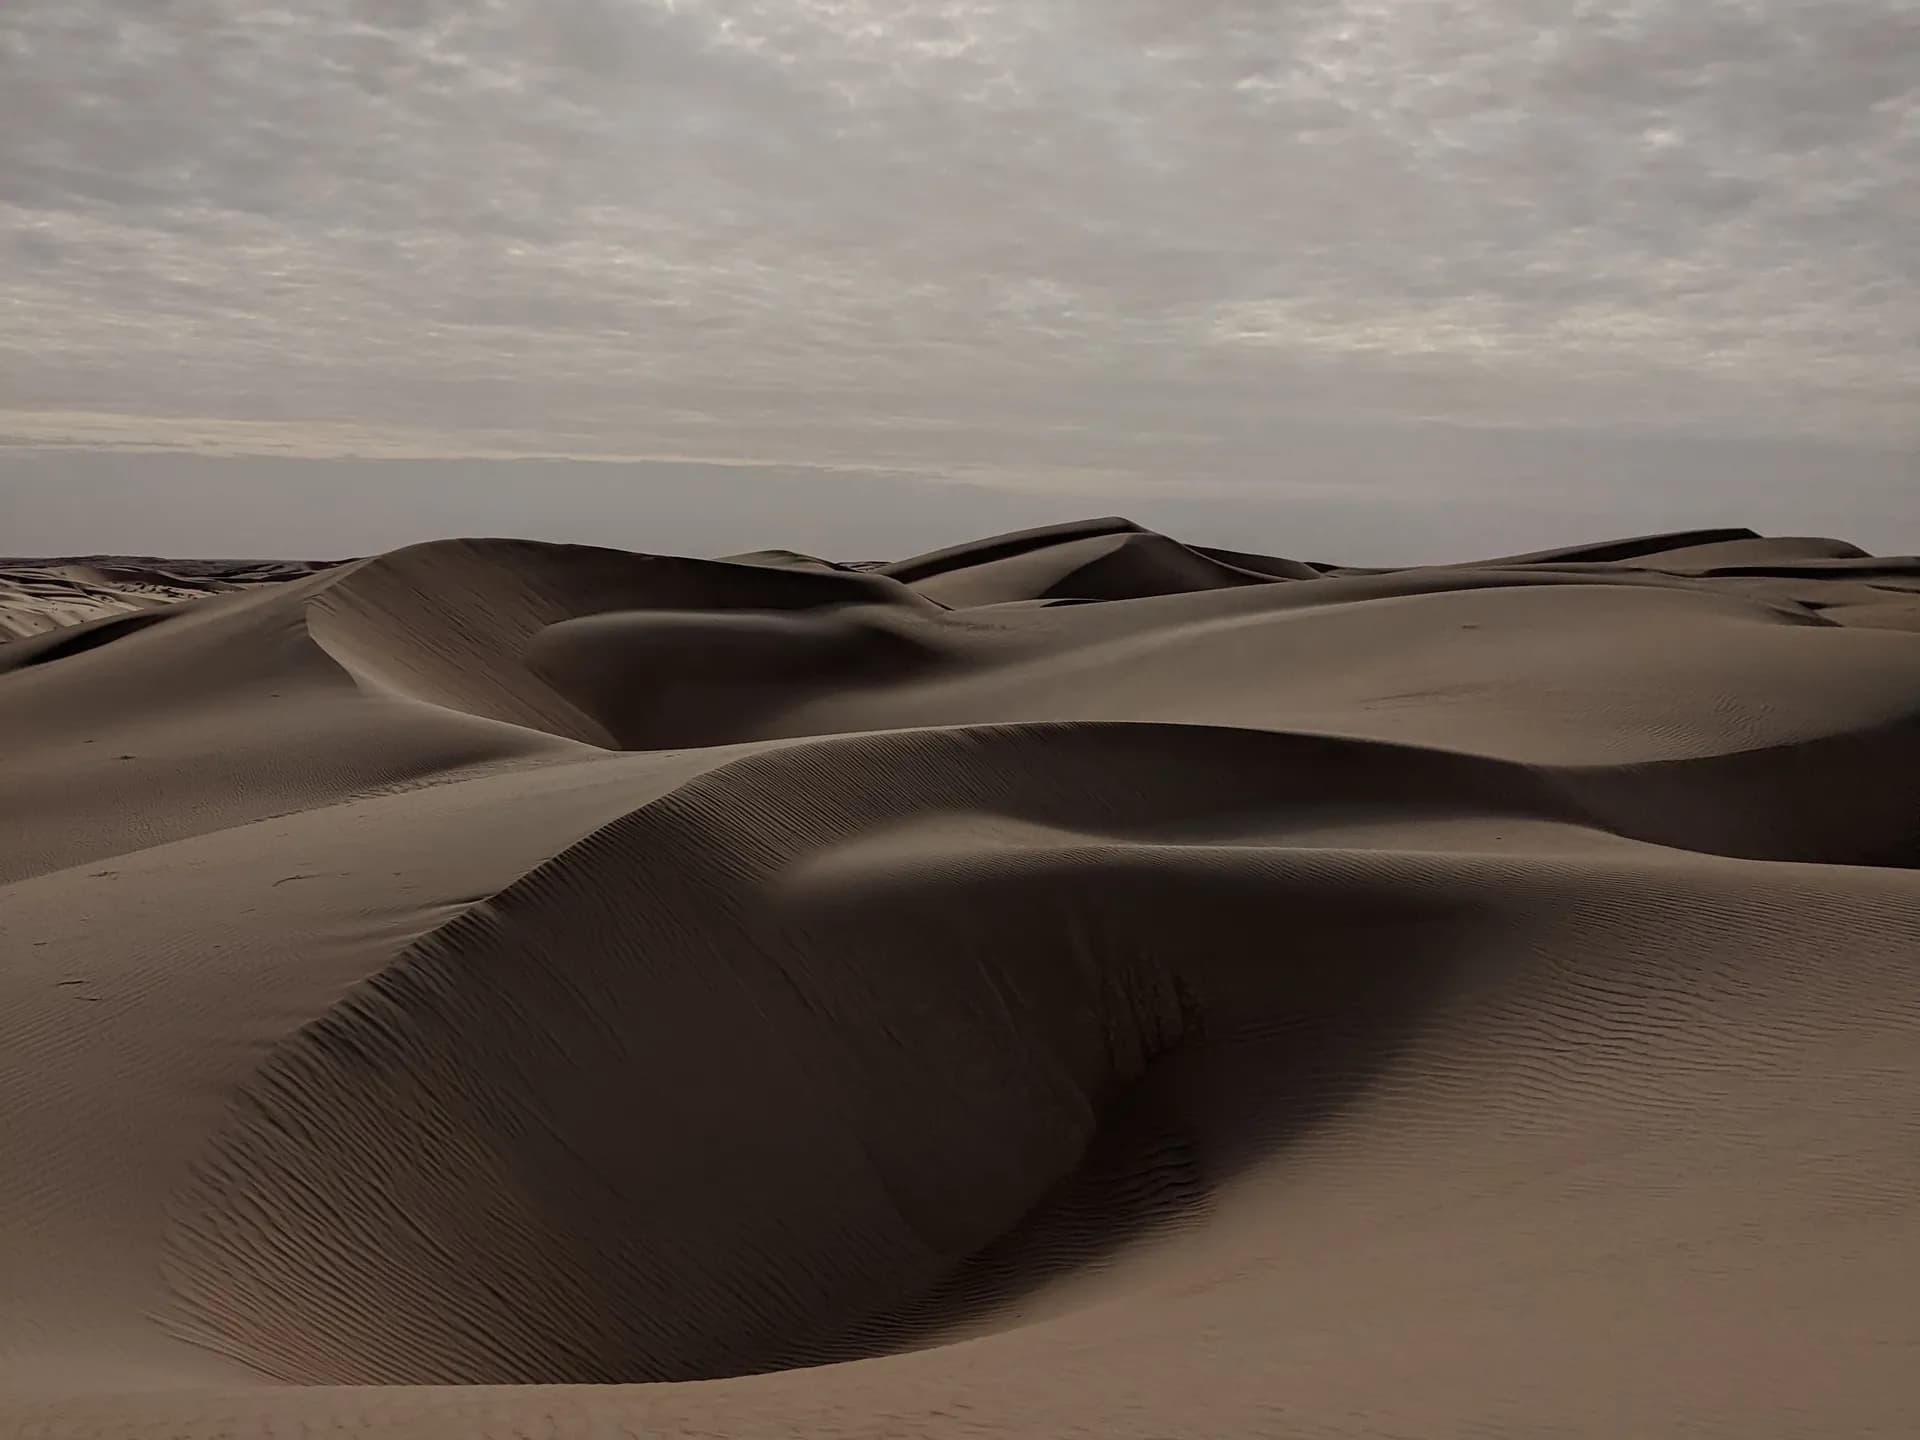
[{"x": 1075, "y": 982}]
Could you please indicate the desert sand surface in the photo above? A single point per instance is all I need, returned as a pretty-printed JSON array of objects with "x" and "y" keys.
[
  {"x": 41, "y": 595},
  {"x": 1069, "y": 984}
]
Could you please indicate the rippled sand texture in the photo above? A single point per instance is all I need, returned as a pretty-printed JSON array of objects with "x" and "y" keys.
[{"x": 1070, "y": 984}]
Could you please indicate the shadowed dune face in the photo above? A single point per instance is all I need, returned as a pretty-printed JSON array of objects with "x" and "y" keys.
[
  {"x": 887, "y": 1039},
  {"x": 653, "y": 679},
  {"x": 1132, "y": 987}
]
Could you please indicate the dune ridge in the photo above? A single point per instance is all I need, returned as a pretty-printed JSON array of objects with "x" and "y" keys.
[{"x": 1073, "y": 982}]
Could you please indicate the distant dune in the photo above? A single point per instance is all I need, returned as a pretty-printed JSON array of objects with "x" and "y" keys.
[
  {"x": 1070, "y": 984},
  {"x": 41, "y": 595}
]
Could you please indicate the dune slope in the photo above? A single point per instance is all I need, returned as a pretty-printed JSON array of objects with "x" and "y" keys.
[{"x": 1073, "y": 983}]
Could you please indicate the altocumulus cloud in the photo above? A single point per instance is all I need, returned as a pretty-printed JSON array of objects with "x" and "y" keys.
[{"x": 1080, "y": 237}]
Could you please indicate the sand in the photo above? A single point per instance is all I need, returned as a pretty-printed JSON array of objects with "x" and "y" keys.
[
  {"x": 1072, "y": 984},
  {"x": 41, "y": 595}
]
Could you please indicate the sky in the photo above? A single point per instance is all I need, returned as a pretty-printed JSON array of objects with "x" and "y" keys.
[{"x": 322, "y": 278}]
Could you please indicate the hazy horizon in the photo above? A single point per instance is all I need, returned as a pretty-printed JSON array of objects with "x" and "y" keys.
[
  {"x": 1398, "y": 284},
  {"x": 70, "y": 503}
]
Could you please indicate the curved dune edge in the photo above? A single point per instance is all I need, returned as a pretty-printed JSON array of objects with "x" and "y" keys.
[
  {"x": 577, "y": 985},
  {"x": 1072, "y": 981}
]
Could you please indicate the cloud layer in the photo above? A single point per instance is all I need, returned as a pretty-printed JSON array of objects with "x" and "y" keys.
[{"x": 1002, "y": 236}]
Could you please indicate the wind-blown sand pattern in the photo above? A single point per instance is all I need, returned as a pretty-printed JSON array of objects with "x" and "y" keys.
[{"x": 1070, "y": 984}]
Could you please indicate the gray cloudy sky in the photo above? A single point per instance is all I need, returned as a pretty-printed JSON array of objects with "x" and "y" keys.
[{"x": 1094, "y": 251}]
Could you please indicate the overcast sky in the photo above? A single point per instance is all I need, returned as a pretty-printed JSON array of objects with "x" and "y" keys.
[{"x": 1085, "y": 254}]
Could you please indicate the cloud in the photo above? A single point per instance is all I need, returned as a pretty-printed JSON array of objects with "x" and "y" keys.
[{"x": 1113, "y": 234}]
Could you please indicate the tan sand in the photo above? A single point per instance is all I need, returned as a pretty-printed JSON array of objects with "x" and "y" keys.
[
  {"x": 38, "y": 596},
  {"x": 505, "y": 989}
]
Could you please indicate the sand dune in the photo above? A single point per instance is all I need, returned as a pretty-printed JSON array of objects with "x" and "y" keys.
[
  {"x": 38, "y": 596},
  {"x": 1074, "y": 983}
]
